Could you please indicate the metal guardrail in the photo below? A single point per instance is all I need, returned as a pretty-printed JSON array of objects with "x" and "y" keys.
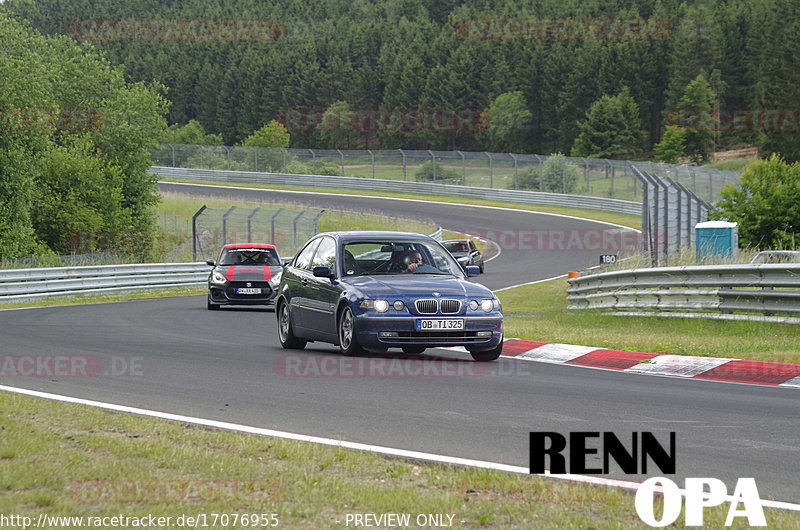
[
  {"x": 32, "y": 284},
  {"x": 322, "y": 181},
  {"x": 720, "y": 291}
]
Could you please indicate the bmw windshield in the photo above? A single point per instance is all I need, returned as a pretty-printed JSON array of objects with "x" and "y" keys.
[{"x": 360, "y": 258}]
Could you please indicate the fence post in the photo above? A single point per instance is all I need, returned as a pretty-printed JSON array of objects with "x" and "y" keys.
[
  {"x": 463, "y": 168},
  {"x": 275, "y": 216},
  {"x": 249, "y": 219},
  {"x": 284, "y": 159},
  {"x": 541, "y": 172},
  {"x": 225, "y": 225},
  {"x": 295, "y": 228},
  {"x": 194, "y": 232},
  {"x": 173, "y": 154},
  {"x": 586, "y": 174},
  {"x": 228, "y": 155},
  {"x": 433, "y": 159},
  {"x": 491, "y": 170},
  {"x": 404, "y": 163},
  {"x": 515, "y": 168},
  {"x": 341, "y": 155},
  {"x": 313, "y": 162},
  {"x": 372, "y": 155},
  {"x": 316, "y": 219}
]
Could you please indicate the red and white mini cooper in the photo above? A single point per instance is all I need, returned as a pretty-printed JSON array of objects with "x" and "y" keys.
[{"x": 244, "y": 274}]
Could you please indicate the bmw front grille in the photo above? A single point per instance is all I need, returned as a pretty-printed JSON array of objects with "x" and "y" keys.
[
  {"x": 431, "y": 306},
  {"x": 426, "y": 306}
]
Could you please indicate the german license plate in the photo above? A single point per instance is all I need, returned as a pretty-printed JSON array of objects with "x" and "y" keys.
[
  {"x": 440, "y": 324},
  {"x": 248, "y": 290}
]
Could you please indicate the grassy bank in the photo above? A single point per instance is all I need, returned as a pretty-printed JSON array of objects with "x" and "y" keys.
[
  {"x": 65, "y": 459},
  {"x": 548, "y": 320},
  {"x": 633, "y": 221}
]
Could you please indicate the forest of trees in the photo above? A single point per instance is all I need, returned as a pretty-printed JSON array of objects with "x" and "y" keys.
[
  {"x": 73, "y": 149},
  {"x": 452, "y": 54}
]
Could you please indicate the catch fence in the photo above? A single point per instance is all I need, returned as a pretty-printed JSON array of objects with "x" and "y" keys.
[{"x": 593, "y": 177}]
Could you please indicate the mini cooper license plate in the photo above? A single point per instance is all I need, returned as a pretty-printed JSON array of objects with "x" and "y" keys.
[
  {"x": 248, "y": 290},
  {"x": 440, "y": 324}
]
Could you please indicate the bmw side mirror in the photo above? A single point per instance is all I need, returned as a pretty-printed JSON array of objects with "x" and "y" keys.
[
  {"x": 473, "y": 270},
  {"x": 211, "y": 262},
  {"x": 322, "y": 272}
]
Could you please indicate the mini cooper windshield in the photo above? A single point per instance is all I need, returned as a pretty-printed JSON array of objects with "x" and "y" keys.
[
  {"x": 367, "y": 258},
  {"x": 249, "y": 256}
]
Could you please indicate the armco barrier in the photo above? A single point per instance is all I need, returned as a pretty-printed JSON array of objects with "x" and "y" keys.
[
  {"x": 31, "y": 284},
  {"x": 724, "y": 292},
  {"x": 321, "y": 181}
]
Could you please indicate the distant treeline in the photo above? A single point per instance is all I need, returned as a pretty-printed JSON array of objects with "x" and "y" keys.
[{"x": 235, "y": 65}]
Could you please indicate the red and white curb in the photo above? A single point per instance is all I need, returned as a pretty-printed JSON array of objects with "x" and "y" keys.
[{"x": 712, "y": 368}]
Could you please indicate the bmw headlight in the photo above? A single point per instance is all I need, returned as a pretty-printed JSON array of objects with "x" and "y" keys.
[
  {"x": 218, "y": 277},
  {"x": 473, "y": 304},
  {"x": 487, "y": 305},
  {"x": 381, "y": 306}
]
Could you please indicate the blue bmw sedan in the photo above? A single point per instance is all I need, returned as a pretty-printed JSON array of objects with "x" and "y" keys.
[{"x": 371, "y": 290}]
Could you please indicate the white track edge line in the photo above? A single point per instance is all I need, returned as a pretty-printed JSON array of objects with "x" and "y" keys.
[{"x": 418, "y": 455}]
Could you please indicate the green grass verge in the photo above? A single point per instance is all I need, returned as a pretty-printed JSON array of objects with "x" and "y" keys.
[
  {"x": 552, "y": 322},
  {"x": 183, "y": 207},
  {"x": 633, "y": 221},
  {"x": 74, "y": 460},
  {"x": 107, "y": 298},
  {"x": 734, "y": 164}
]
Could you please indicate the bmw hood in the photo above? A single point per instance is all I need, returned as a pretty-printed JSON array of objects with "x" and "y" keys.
[
  {"x": 416, "y": 285},
  {"x": 249, "y": 273}
]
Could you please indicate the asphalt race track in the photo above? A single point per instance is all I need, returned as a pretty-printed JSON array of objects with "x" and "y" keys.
[{"x": 173, "y": 355}]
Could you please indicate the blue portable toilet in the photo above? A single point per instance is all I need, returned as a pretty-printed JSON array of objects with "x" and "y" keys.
[{"x": 716, "y": 240}]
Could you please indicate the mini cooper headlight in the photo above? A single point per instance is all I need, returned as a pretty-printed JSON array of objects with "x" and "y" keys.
[
  {"x": 487, "y": 305},
  {"x": 218, "y": 277},
  {"x": 275, "y": 280}
]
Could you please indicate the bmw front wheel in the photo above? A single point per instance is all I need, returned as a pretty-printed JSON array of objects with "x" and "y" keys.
[
  {"x": 348, "y": 341},
  {"x": 487, "y": 355}
]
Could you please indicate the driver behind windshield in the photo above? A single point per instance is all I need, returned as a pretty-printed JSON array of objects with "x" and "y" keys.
[{"x": 411, "y": 261}]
